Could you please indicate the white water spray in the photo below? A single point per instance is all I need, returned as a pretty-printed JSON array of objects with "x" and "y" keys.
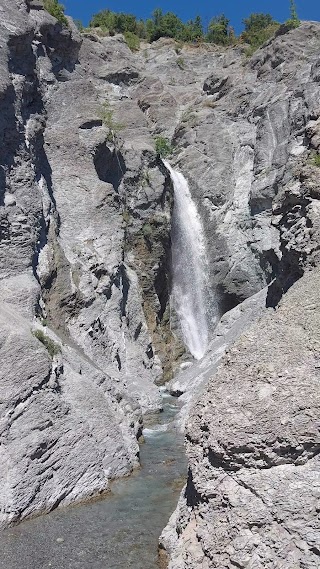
[{"x": 189, "y": 267}]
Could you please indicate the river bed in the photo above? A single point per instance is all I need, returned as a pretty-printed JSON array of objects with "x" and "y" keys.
[{"x": 119, "y": 531}]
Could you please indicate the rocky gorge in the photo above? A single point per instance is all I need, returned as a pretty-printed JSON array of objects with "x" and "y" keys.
[{"x": 88, "y": 332}]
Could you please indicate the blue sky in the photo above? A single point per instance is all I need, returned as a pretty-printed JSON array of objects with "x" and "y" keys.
[{"x": 236, "y": 10}]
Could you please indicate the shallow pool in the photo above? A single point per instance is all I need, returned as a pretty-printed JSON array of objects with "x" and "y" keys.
[{"x": 119, "y": 531}]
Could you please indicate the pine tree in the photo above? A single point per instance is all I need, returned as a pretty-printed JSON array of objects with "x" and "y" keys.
[
  {"x": 293, "y": 21},
  {"x": 293, "y": 11}
]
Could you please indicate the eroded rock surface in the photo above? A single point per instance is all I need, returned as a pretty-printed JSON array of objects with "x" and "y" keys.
[
  {"x": 78, "y": 366},
  {"x": 85, "y": 208},
  {"x": 252, "y": 497}
]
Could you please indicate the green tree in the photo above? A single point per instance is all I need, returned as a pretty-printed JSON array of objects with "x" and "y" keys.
[
  {"x": 104, "y": 19},
  {"x": 257, "y": 22},
  {"x": 125, "y": 23},
  {"x": 173, "y": 27},
  {"x": 149, "y": 27},
  {"x": 56, "y": 10},
  {"x": 141, "y": 29},
  {"x": 165, "y": 25},
  {"x": 154, "y": 25},
  {"x": 293, "y": 11},
  {"x": 293, "y": 21},
  {"x": 218, "y": 30},
  {"x": 193, "y": 30},
  {"x": 258, "y": 28},
  {"x": 119, "y": 23},
  {"x": 157, "y": 17}
]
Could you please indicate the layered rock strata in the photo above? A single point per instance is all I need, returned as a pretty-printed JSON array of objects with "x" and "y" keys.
[
  {"x": 78, "y": 364},
  {"x": 252, "y": 496},
  {"x": 85, "y": 208}
]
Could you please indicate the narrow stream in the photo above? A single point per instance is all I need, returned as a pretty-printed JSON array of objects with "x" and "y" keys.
[
  {"x": 122, "y": 530},
  {"x": 119, "y": 531}
]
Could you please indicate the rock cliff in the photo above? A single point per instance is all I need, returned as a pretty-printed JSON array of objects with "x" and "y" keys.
[
  {"x": 86, "y": 329},
  {"x": 252, "y": 496},
  {"x": 79, "y": 280}
]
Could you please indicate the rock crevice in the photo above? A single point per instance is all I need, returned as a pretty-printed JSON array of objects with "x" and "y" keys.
[{"x": 85, "y": 259}]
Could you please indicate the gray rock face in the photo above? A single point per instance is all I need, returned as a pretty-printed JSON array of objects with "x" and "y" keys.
[
  {"x": 50, "y": 408},
  {"x": 253, "y": 443},
  {"x": 247, "y": 147},
  {"x": 193, "y": 378},
  {"x": 85, "y": 209},
  {"x": 71, "y": 413},
  {"x": 253, "y": 437}
]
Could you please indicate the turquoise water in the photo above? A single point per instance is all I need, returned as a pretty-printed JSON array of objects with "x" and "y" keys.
[{"x": 120, "y": 531}]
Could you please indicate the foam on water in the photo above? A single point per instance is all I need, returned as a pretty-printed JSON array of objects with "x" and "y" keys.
[{"x": 147, "y": 432}]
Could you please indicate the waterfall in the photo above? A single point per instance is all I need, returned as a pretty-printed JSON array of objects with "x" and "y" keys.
[{"x": 189, "y": 267}]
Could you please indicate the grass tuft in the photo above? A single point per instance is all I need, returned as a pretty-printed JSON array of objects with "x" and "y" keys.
[{"x": 53, "y": 348}]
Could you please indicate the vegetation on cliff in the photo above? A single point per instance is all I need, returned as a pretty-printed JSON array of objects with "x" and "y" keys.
[
  {"x": 57, "y": 10},
  {"x": 258, "y": 27},
  {"x": 53, "y": 348}
]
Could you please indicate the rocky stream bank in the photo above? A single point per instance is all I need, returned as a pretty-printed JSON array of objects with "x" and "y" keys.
[{"x": 87, "y": 330}]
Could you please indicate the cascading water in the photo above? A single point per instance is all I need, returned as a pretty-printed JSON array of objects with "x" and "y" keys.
[{"x": 189, "y": 267}]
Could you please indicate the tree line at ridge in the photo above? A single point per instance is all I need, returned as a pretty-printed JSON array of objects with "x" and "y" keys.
[{"x": 258, "y": 27}]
